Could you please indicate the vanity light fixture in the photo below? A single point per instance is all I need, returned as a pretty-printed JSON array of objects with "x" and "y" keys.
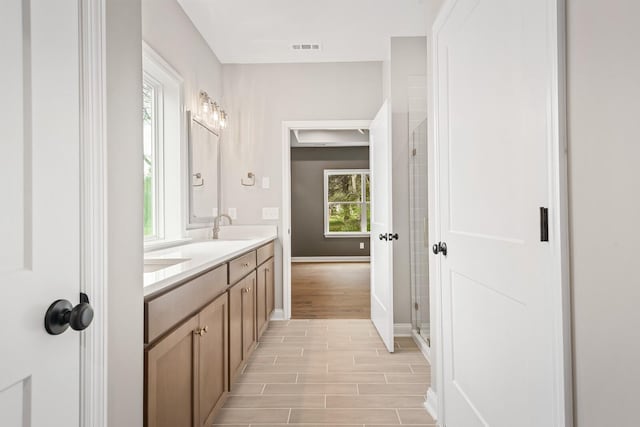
[{"x": 211, "y": 113}]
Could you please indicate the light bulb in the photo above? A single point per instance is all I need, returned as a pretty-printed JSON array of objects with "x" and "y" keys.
[
  {"x": 216, "y": 113},
  {"x": 223, "y": 120}
]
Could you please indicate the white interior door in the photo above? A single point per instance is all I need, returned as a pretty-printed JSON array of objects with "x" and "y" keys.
[
  {"x": 495, "y": 126},
  {"x": 39, "y": 218},
  {"x": 381, "y": 225}
]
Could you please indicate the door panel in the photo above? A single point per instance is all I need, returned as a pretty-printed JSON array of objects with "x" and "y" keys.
[
  {"x": 261, "y": 299},
  {"x": 235, "y": 330},
  {"x": 381, "y": 224},
  {"x": 493, "y": 80},
  {"x": 213, "y": 364},
  {"x": 39, "y": 219},
  {"x": 171, "y": 367},
  {"x": 248, "y": 315}
]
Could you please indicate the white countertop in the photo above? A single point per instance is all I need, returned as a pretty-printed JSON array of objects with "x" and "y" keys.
[{"x": 203, "y": 255}]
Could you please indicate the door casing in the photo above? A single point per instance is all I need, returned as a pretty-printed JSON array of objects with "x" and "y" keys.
[
  {"x": 558, "y": 224},
  {"x": 93, "y": 215},
  {"x": 284, "y": 232}
]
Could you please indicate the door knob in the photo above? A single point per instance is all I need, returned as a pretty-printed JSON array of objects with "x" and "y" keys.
[
  {"x": 440, "y": 247},
  {"x": 62, "y": 314}
]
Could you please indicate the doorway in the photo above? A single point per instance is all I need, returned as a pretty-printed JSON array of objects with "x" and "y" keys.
[{"x": 330, "y": 224}]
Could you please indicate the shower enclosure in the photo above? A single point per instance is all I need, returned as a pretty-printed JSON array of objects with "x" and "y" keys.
[{"x": 419, "y": 227}]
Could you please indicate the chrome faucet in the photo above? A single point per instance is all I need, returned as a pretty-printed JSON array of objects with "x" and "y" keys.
[{"x": 216, "y": 225}]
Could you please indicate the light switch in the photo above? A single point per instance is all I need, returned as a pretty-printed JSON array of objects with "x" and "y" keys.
[
  {"x": 214, "y": 212},
  {"x": 233, "y": 213},
  {"x": 271, "y": 213},
  {"x": 266, "y": 182},
  {"x": 361, "y": 245}
]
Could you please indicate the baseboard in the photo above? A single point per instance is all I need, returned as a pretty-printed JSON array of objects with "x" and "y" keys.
[
  {"x": 422, "y": 345},
  {"x": 402, "y": 329},
  {"x": 331, "y": 259},
  {"x": 278, "y": 314},
  {"x": 431, "y": 404}
]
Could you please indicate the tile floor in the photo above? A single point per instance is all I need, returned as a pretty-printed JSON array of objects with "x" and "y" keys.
[{"x": 312, "y": 373}]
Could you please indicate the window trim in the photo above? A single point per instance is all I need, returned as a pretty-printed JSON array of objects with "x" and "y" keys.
[
  {"x": 172, "y": 156},
  {"x": 363, "y": 202},
  {"x": 158, "y": 157}
]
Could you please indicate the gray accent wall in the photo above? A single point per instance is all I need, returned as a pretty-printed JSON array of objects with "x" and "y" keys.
[{"x": 307, "y": 201}]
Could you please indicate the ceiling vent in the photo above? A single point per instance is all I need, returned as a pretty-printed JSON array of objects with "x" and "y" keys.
[{"x": 306, "y": 47}]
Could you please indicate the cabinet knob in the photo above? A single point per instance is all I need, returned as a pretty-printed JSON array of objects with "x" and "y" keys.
[{"x": 202, "y": 331}]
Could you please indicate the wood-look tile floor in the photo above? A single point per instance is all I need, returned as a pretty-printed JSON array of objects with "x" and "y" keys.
[
  {"x": 326, "y": 290},
  {"x": 308, "y": 373}
]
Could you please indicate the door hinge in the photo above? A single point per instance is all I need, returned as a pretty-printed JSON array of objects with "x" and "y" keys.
[
  {"x": 544, "y": 224},
  {"x": 414, "y": 152},
  {"x": 416, "y": 306}
]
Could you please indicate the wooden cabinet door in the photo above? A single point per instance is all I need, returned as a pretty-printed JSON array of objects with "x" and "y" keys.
[
  {"x": 235, "y": 329},
  {"x": 249, "y": 335},
  {"x": 270, "y": 287},
  {"x": 261, "y": 300},
  {"x": 170, "y": 369},
  {"x": 213, "y": 363}
]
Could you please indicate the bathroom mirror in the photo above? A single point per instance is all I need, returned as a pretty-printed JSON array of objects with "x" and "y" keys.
[{"x": 203, "y": 172}]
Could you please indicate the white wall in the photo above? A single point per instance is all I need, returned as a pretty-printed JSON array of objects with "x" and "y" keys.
[
  {"x": 604, "y": 153},
  {"x": 124, "y": 222},
  {"x": 171, "y": 34},
  {"x": 259, "y": 98},
  {"x": 408, "y": 61},
  {"x": 169, "y": 31}
]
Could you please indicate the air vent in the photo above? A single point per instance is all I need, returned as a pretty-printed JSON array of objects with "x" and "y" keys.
[{"x": 306, "y": 47}]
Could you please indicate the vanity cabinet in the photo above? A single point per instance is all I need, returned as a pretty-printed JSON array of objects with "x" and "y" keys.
[
  {"x": 199, "y": 333},
  {"x": 242, "y": 322},
  {"x": 187, "y": 370}
]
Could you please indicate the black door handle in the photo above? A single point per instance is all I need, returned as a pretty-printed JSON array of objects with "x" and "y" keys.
[
  {"x": 388, "y": 236},
  {"x": 440, "y": 247},
  {"x": 61, "y": 314}
]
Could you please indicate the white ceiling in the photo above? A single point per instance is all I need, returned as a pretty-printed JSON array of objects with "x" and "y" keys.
[{"x": 262, "y": 31}]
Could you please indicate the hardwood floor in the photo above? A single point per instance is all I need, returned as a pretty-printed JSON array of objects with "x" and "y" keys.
[
  {"x": 330, "y": 290},
  {"x": 308, "y": 373}
]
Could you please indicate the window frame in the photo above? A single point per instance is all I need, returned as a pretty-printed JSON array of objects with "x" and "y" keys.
[
  {"x": 157, "y": 168},
  {"x": 363, "y": 203},
  {"x": 172, "y": 152}
]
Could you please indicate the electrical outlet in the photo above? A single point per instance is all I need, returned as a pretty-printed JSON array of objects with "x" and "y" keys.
[
  {"x": 270, "y": 213},
  {"x": 266, "y": 182},
  {"x": 361, "y": 245},
  {"x": 233, "y": 213}
]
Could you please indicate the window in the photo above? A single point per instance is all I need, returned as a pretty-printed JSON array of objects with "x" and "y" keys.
[
  {"x": 162, "y": 124},
  {"x": 347, "y": 202},
  {"x": 151, "y": 92}
]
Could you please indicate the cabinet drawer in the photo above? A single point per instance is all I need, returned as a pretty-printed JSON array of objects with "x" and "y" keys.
[
  {"x": 241, "y": 266},
  {"x": 265, "y": 252},
  {"x": 165, "y": 311}
]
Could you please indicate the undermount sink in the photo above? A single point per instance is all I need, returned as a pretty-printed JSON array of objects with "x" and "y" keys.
[{"x": 155, "y": 264}]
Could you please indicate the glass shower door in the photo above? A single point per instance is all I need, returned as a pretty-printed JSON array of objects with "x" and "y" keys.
[{"x": 419, "y": 230}]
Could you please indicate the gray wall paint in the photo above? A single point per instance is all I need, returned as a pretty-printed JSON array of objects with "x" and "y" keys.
[
  {"x": 604, "y": 153},
  {"x": 259, "y": 97},
  {"x": 124, "y": 222},
  {"x": 408, "y": 58},
  {"x": 307, "y": 200}
]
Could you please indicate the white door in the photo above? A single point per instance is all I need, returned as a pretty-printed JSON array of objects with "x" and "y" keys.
[
  {"x": 495, "y": 76},
  {"x": 39, "y": 218},
  {"x": 382, "y": 236}
]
